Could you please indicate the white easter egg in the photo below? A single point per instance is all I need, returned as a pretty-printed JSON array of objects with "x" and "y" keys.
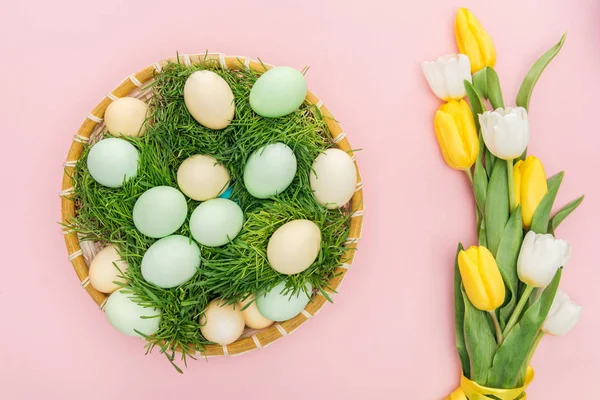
[
  {"x": 280, "y": 305},
  {"x": 159, "y": 211},
  {"x": 270, "y": 170},
  {"x": 333, "y": 178},
  {"x": 221, "y": 323},
  {"x": 103, "y": 272},
  {"x": 112, "y": 161},
  {"x": 253, "y": 318},
  {"x": 216, "y": 222},
  {"x": 294, "y": 246},
  {"x": 171, "y": 261},
  {"x": 125, "y": 315},
  {"x": 201, "y": 177},
  {"x": 209, "y": 99},
  {"x": 126, "y": 116}
]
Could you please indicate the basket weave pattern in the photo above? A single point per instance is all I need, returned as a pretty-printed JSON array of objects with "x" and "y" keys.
[{"x": 81, "y": 253}]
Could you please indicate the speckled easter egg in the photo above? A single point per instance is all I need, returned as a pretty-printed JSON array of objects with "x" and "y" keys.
[
  {"x": 333, "y": 178},
  {"x": 209, "y": 99},
  {"x": 294, "y": 246},
  {"x": 159, "y": 211},
  {"x": 279, "y": 305},
  {"x": 216, "y": 222},
  {"x": 112, "y": 161},
  {"x": 221, "y": 323},
  {"x": 104, "y": 270},
  {"x": 278, "y": 92},
  {"x": 171, "y": 261},
  {"x": 126, "y": 116},
  {"x": 125, "y": 315},
  {"x": 201, "y": 177},
  {"x": 270, "y": 170}
]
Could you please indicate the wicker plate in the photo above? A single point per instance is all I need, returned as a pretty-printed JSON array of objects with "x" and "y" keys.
[{"x": 81, "y": 253}]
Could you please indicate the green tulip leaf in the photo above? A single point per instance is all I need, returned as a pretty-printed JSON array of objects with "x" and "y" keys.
[
  {"x": 481, "y": 234},
  {"x": 512, "y": 353},
  {"x": 494, "y": 92},
  {"x": 480, "y": 178},
  {"x": 479, "y": 340},
  {"x": 489, "y": 161},
  {"x": 496, "y": 206},
  {"x": 480, "y": 83},
  {"x": 459, "y": 318},
  {"x": 477, "y": 106},
  {"x": 506, "y": 258},
  {"x": 563, "y": 213},
  {"x": 535, "y": 72},
  {"x": 541, "y": 216}
]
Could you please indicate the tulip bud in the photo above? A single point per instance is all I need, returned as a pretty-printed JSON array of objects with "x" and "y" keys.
[
  {"x": 563, "y": 315},
  {"x": 540, "y": 257},
  {"x": 530, "y": 187},
  {"x": 481, "y": 278},
  {"x": 446, "y": 76},
  {"x": 505, "y": 131},
  {"x": 457, "y": 135},
  {"x": 474, "y": 41}
]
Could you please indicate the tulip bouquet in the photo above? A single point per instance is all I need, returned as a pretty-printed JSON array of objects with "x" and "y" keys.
[{"x": 506, "y": 289}]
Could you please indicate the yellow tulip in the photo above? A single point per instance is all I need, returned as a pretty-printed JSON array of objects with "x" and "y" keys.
[
  {"x": 530, "y": 187},
  {"x": 481, "y": 278},
  {"x": 474, "y": 41},
  {"x": 457, "y": 135}
]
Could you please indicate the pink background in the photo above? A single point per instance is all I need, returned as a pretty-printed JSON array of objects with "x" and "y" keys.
[{"x": 390, "y": 333}]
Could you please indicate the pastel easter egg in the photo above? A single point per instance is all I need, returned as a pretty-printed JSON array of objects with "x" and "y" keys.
[
  {"x": 126, "y": 116},
  {"x": 252, "y": 317},
  {"x": 278, "y": 92},
  {"x": 216, "y": 222},
  {"x": 294, "y": 246},
  {"x": 125, "y": 315},
  {"x": 209, "y": 99},
  {"x": 106, "y": 269},
  {"x": 171, "y": 261},
  {"x": 333, "y": 178},
  {"x": 279, "y": 305},
  {"x": 113, "y": 161},
  {"x": 159, "y": 211},
  {"x": 201, "y": 177},
  {"x": 270, "y": 170},
  {"x": 221, "y": 323}
]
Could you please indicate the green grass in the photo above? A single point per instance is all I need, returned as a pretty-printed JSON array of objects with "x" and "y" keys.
[{"x": 240, "y": 268}]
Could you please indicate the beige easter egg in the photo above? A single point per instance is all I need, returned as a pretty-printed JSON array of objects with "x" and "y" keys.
[
  {"x": 209, "y": 99},
  {"x": 103, "y": 272},
  {"x": 221, "y": 323},
  {"x": 333, "y": 178},
  {"x": 253, "y": 318},
  {"x": 126, "y": 116},
  {"x": 294, "y": 246},
  {"x": 200, "y": 177}
]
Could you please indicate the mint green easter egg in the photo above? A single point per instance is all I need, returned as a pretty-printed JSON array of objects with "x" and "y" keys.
[
  {"x": 171, "y": 261},
  {"x": 125, "y": 315},
  {"x": 270, "y": 170},
  {"x": 277, "y": 306},
  {"x": 278, "y": 92},
  {"x": 159, "y": 211},
  {"x": 216, "y": 222},
  {"x": 112, "y": 161}
]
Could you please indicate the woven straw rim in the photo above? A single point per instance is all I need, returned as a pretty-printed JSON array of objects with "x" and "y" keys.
[{"x": 134, "y": 82}]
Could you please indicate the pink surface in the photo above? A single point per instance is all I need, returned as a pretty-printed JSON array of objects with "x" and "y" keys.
[{"x": 390, "y": 333}]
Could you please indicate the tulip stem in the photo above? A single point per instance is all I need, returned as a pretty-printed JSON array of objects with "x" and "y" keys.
[
  {"x": 469, "y": 175},
  {"x": 511, "y": 185},
  {"x": 518, "y": 309},
  {"x": 499, "y": 337}
]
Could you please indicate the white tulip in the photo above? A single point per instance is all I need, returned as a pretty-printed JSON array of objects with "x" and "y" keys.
[
  {"x": 563, "y": 315},
  {"x": 446, "y": 76},
  {"x": 505, "y": 131},
  {"x": 540, "y": 257}
]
